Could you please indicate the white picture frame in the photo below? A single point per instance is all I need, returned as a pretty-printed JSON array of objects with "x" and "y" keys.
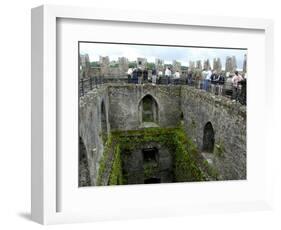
[{"x": 45, "y": 182}]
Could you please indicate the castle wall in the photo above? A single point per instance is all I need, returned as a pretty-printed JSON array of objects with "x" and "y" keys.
[
  {"x": 90, "y": 127},
  {"x": 198, "y": 107},
  {"x": 124, "y": 103},
  {"x": 229, "y": 123}
]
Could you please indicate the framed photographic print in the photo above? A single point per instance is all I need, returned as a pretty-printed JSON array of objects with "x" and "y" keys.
[{"x": 140, "y": 114}]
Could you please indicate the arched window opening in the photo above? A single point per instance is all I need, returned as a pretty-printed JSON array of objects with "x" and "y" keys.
[
  {"x": 208, "y": 138},
  {"x": 181, "y": 116},
  {"x": 103, "y": 119},
  {"x": 149, "y": 109}
]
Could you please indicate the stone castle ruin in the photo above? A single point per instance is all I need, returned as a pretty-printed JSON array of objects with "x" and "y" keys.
[{"x": 141, "y": 134}]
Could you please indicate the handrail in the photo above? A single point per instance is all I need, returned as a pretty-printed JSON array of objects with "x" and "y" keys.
[{"x": 225, "y": 89}]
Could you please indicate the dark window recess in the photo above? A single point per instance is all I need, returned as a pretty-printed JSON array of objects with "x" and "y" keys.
[
  {"x": 208, "y": 138},
  {"x": 150, "y": 155},
  {"x": 103, "y": 121}
]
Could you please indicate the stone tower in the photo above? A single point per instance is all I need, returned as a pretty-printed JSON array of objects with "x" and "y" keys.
[
  {"x": 159, "y": 64},
  {"x": 192, "y": 65},
  {"x": 207, "y": 65},
  {"x": 84, "y": 62},
  {"x": 199, "y": 65},
  {"x": 104, "y": 65},
  {"x": 217, "y": 64},
  {"x": 176, "y": 66},
  {"x": 123, "y": 65},
  {"x": 230, "y": 64}
]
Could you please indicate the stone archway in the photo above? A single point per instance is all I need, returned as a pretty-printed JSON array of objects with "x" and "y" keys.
[
  {"x": 208, "y": 138},
  {"x": 148, "y": 109}
]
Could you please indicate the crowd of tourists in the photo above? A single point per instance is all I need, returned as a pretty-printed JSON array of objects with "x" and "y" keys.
[
  {"x": 208, "y": 80},
  {"x": 216, "y": 82},
  {"x": 140, "y": 76}
]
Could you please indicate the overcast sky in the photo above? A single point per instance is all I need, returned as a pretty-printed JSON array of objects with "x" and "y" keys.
[{"x": 166, "y": 53}]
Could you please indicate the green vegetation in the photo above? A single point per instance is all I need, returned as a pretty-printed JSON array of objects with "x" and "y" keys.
[
  {"x": 212, "y": 172},
  {"x": 183, "y": 149},
  {"x": 187, "y": 164},
  {"x": 133, "y": 64},
  {"x": 219, "y": 149},
  {"x": 150, "y": 65},
  {"x": 104, "y": 160},
  {"x": 94, "y": 64},
  {"x": 114, "y": 65},
  {"x": 104, "y": 136},
  {"x": 185, "y": 167},
  {"x": 150, "y": 170},
  {"x": 128, "y": 140},
  {"x": 116, "y": 177}
]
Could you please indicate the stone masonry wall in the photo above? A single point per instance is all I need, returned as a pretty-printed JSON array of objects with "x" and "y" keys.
[
  {"x": 90, "y": 127},
  {"x": 198, "y": 107},
  {"x": 229, "y": 123},
  {"x": 124, "y": 103}
]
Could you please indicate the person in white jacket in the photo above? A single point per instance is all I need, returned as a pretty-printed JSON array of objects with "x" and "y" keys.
[
  {"x": 168, "y": 74},
  {"x": 176, "y": 77}
]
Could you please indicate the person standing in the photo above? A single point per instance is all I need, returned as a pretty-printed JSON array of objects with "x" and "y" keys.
[
  {"x": 159, "y": 78},
  {"x": 129, "y": 75},
  {"x": 145, "y": 76},
  {"x": 168, "y": 75},
  {"x": 176, "y": 77},
  {"x": 135, "y": 76},
  {"x": 154, "y": 76},
  {"x": 235, "y": 81},
  {"x": 220, "y": 83},
  {"x": 203, "y": 79},
  {"x": 214, "y": 81},
  {"x": 139, "y": 74},
  {"x": 243, "y": 95},
  {"x": 189, "y": 77},
  {"x": 208, "y": 79}
]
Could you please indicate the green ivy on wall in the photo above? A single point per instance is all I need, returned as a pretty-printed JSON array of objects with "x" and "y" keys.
[
  {"x": 116, "y": 176},
  {"x": 184, "y": 153}
]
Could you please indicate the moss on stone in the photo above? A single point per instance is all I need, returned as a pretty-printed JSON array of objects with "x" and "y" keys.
[
  {"x": 212, "y": 172},
  {"x": 116, "y": 176},
  {"x": 182, "y": 148},
  {"x": 185, "y": 167},
  {"x": 219, "y": 149},
  {"x": 149, "y": 170},
  {"x": 183, "y": 151},
  {"x": 104, "y": 160}
]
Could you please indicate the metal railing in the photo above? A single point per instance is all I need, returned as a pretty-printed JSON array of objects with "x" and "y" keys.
[{"x": 225, "y": 89}]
